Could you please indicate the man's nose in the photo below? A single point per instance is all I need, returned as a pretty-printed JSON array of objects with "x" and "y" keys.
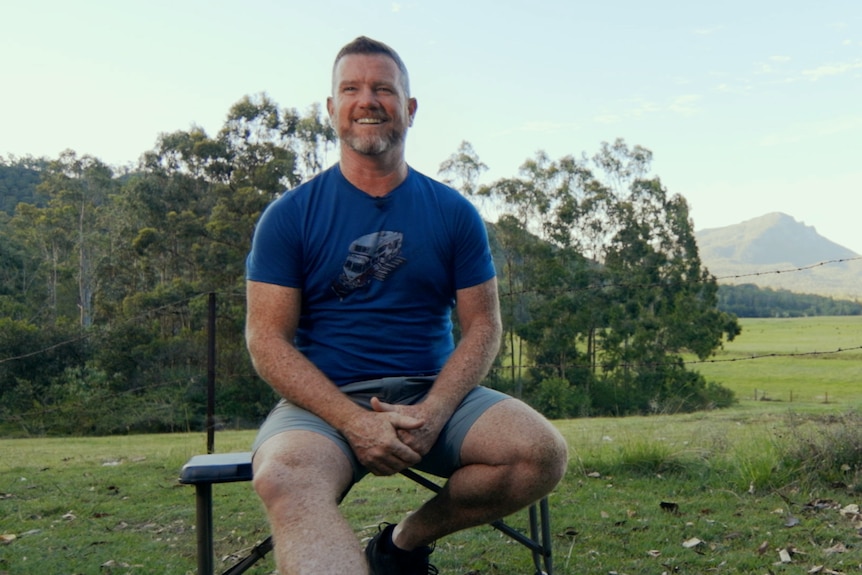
[{"x": 368, "y": 97}]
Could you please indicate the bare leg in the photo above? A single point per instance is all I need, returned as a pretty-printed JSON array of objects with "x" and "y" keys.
[
  {"x": 300, "y": 476},
  {"x": 512, "y": 457}
]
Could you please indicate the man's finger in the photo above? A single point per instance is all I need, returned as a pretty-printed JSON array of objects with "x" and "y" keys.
[
  {"x": 397, "y": 419},
  {"x": 381, "y": 406}
]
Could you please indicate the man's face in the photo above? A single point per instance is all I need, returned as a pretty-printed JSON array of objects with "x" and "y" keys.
[{"x": 369, "y": 109}]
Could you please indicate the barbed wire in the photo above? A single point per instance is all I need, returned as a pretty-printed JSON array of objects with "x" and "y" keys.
[
  {"x": 630, "y": 285},
  {"x": 792, "y": 270},
  {"x": 27, "y": 416},
  {"x": 522, "y": 367},
  {"x": 777, "y": 354},
  {"x": 43, "y": 411},
  {"x": 234, "y": 294},
  {"x": 108, "y": 328},
  {"x": 66, "y": 406}
]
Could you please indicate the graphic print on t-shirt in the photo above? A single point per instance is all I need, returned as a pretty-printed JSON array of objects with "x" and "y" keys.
[{"x": 373, "y": 256}]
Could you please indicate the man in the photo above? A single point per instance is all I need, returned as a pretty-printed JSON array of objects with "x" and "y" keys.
[{"x": 351, "y": 281}]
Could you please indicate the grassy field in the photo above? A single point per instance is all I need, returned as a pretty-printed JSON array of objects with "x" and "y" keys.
[
  {"x": 766, "y": 487},
  {"x": 814, "y": 376}
]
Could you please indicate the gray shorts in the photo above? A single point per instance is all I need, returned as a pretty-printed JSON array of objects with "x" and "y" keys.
[{"x": 444, "y": 457}]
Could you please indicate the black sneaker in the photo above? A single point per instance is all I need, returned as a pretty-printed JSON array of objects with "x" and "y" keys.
[{"x": 383, "y": 562}]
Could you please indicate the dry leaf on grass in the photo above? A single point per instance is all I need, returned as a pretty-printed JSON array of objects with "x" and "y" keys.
[
  {"x": 693, "y": 542},
  {"x": 837, "y": 548}
]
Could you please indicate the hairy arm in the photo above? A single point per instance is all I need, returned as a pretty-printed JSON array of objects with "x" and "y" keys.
[{"x": 271, "y": 323}]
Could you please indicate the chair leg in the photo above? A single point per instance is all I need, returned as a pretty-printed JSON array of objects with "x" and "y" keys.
[
  {"x": 534, "y": 535},
  {"x": 539, "y": 542},
  {"x": 204, "y": 512},
  {"x": 540, "y": 533},
  {"x": 545, "y": 513},
  {"x": 259, "y": 552}
]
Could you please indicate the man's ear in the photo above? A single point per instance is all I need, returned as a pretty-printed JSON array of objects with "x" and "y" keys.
[
  {"x": 412, "y": 106},
  {"x": 330, "y": 106}
]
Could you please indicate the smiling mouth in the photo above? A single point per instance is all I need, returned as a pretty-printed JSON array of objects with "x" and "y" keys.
[{"x": 370, "y": 121}]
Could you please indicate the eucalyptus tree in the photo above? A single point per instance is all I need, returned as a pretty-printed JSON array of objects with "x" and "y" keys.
[
  {"x": 463, "y": 169},
  {"x": 70, "y": 232},
  {"x": 537, "y": 267},
  {"x": 268, "y": 150},
  {"x": 190, "y": 212},
  {"x": 664, "y": 301},
  {"x": 611, "y": 286}
]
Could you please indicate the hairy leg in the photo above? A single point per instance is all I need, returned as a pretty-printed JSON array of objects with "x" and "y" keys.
[
  {"x": 512, "y": 457},
  {"x": 300, "y": 476}
]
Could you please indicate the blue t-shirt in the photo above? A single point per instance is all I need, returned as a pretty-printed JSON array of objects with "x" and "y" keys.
[{"x": 378, "y": 275}]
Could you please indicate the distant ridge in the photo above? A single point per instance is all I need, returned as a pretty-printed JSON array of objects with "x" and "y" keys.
[{"x": 777, "y": 242}]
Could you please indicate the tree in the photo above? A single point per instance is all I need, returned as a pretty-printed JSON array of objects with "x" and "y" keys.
[
  {"x": 616, "y": 288},
  {"x": 18, "y": 180},
  {"x": 125, "y": 259},
  {"x": 80, "y": 190},
  {"x": 462, "y": 169}
]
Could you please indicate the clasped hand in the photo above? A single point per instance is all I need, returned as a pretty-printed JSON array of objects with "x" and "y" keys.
[{"x": 391, "y": 438}]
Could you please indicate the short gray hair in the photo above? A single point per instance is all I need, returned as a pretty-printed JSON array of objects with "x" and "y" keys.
[{"x": 366, "y": 45}]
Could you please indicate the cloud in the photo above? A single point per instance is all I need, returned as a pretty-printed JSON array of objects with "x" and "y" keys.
[
  {"x": 827, "y": 70},
  {"x": 607, "y": 119},
  {"x": 638, "y": 108},
  {"x": 801, "y": 132},
  {"x": 685, "y": 104},
  {"x": 738, "y": 88}
]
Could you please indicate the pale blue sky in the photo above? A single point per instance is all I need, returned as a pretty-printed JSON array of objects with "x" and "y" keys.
[{"x": 749, "y": 106}]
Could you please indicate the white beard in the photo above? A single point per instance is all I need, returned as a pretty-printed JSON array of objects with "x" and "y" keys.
[
  {"x": 368, "y": 145},
  {"x": 372, "y": 144}
]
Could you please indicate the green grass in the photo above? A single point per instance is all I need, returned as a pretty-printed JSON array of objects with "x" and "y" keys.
[
  {"x": 746, "y": 482},
  {"x": 813, "y": 377}
]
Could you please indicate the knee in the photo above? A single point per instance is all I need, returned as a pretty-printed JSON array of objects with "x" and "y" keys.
[
  {"x": 278, "y": 482},
  {"x": 282, "y": 481},
  {"x": 548, "y": 459},
  {"x": 538, "y": 463},
  {"x": 271, "y": 480},
  {"x": 556, "y": 460}
]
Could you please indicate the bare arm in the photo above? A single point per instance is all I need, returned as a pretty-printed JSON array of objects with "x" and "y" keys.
[
  {"x": 478, "y": 311},
  {"x": 271, "y": 323}
]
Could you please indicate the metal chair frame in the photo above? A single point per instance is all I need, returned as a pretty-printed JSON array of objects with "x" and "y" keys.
[{"x": 204, "y": 471}]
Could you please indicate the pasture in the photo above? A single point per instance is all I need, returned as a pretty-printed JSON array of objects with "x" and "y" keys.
[{"x": 771, "y": 485}]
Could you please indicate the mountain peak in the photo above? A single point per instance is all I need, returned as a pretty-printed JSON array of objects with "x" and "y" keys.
[
  {"x": 774, "y": 238},
  {"x": 777, "y": 241}
]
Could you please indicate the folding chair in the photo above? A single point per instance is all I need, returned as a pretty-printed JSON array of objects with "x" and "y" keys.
[{"x": 203, "y": 471}]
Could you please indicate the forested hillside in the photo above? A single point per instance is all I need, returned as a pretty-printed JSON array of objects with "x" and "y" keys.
[
  {"x": 19, "y": 180},
  {"x": 106, "y": 276},
  {"x": 749, "y": 300}
]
